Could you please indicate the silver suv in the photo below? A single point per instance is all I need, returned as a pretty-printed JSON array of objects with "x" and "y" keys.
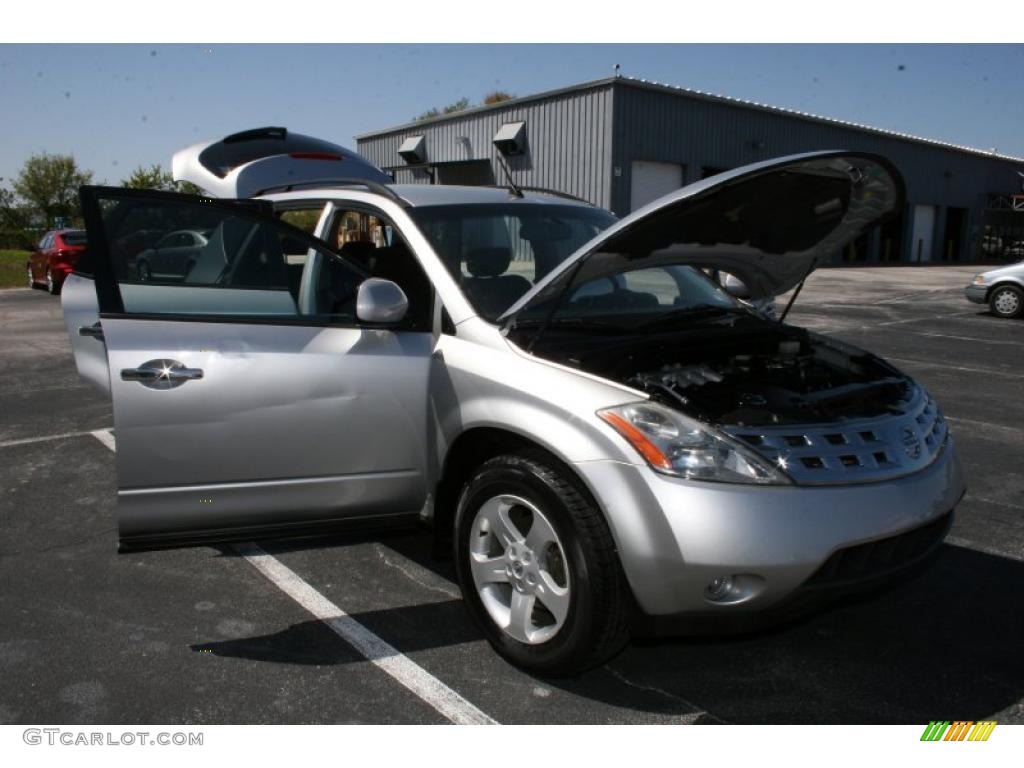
[{"x": 598, "y": 428}]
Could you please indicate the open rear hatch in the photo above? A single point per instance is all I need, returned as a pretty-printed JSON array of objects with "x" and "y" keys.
[{"x": 248, "y": 163}]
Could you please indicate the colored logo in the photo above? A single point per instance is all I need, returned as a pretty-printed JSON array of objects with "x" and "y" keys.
[{"x": 959, "y": 730}]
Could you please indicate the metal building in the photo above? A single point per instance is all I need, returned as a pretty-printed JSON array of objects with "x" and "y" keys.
[{"x": 620, "y": 143}]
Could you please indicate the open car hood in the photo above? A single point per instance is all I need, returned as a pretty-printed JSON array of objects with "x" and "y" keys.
[
  {"x": 769, "y": 224},
  {"x": 245, "y": 164}
]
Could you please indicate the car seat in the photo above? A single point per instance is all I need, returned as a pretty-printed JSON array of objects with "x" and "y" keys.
[{"x": 489, "y": 289}]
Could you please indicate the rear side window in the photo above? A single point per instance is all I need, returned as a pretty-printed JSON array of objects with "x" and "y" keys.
[{"x": 305, "y": 219}]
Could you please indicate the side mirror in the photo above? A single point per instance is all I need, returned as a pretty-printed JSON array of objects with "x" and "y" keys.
[
  {"x": 734, "y": 286},
  {"x": 380, "y": 301}
]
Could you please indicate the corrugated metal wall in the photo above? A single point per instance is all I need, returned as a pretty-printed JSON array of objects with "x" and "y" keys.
[
  {"x": 673, "y": 127},
  {"x": 583, "y": 141},
  {"x": 568, "y": 143}
]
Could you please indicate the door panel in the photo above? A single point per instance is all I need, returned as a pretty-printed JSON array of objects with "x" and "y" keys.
[
  {"x": 287, "y": 424},
  {"x": 234, "y": 409}
]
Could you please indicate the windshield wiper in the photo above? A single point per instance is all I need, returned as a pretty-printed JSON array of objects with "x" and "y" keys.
[
  {"x": 689, "y": 312},
  {"x": 583, "y": 324}
]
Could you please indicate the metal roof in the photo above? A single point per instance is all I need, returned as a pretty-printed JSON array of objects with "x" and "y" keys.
[{"x": 694, "y": 94}]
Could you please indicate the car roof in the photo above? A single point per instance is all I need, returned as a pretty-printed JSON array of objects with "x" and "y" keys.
[{"x": 420, "y": 195}]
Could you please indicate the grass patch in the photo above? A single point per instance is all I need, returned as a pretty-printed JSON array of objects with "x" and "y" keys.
[{"x": 12, "y": 269}]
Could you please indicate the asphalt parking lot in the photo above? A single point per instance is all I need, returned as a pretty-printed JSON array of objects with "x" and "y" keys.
[{"x": 201, "y": 636}]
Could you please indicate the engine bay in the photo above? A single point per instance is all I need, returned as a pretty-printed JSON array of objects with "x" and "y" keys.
[{"x": 745, "y": 372}]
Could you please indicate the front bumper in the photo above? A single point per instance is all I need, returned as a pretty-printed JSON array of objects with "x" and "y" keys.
[
  {"x": 976, "y": 293},
  {"x": 676, "y": 536}
]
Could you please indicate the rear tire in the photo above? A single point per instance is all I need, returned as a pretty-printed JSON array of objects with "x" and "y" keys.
[
  {"x": 52, "y": 286},
  {"x": 528, "y": 536},
  {"x": 1006, "y": 301}
]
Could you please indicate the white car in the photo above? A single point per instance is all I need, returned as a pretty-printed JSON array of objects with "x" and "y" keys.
[{"x": 1002, "y": 289}]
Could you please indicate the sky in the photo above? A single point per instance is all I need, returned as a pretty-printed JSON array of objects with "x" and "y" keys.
[{"x": 115, "y": 107}]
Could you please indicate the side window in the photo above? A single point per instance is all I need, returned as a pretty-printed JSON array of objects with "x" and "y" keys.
[
  {"x": 305, "y": 219},
  {"x": 172, "y": 255},
  {"x": 370, "y": 241}
]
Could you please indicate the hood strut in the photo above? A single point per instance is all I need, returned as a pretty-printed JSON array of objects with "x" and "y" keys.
[{"x": 796, "y": 292}]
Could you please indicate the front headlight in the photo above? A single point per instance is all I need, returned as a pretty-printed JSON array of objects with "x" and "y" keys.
[
  {"x": 979, "y": 279},
  {"x": 678, "y": 445}
]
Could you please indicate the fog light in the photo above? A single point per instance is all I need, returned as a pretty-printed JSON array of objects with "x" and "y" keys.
[{"x": 719, "y": 589}]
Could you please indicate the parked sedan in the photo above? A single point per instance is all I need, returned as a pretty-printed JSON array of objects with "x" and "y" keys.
[
  {"x": 1002, "y": 289},
  {"x": 172, "y": 257},
  {"x": 54, "y": 258}
]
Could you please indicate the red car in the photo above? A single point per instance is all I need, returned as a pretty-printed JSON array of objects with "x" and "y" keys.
[{"x": 54, "y": 258}]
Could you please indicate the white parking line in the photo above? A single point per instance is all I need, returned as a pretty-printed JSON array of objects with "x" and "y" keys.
[
  {"x": 378, "y": 652},
  {"x": 947, "y": 367},
  {"x": 985, "y": 429},
  {"x": 106, "y": 437},
  {"x": 45, "y": 438}
]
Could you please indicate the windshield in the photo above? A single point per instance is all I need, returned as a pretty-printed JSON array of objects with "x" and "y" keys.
[
  {"x": 616, "y": 293},
  {"x": 497, "y": 252}
]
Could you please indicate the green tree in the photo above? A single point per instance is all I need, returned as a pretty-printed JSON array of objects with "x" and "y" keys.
[
  {"x": 49, "y": 183},
  {"x": 155, "y": 177},
  {"x": 14, "y": 222},
  {"x": 456, "y": 106},
  {"x": 496, "y": 97},
  {"x": 432, "y": 112}
]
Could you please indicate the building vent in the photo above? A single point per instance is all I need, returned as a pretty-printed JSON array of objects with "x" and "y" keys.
[
  {"x": 511, "y": 139},
  {"x": 414, "y": 150}
]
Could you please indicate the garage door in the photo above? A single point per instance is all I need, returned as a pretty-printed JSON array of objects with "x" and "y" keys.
[
  {"x": 651, "y": 180},
  {"x": 924, "y": 226}
]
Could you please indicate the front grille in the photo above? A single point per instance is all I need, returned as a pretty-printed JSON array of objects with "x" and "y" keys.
[
  {"x": 864, "y": 450},
  {"x": 877, "y": 558}
]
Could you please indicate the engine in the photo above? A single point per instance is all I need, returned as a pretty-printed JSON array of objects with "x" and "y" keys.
[{"x": 796, "y": 381}]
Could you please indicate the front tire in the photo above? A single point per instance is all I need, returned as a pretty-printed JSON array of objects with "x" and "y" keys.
[
  {"x": 31, "y": 278},
  {"x": 1006, "y": 301},
  {"x": 538, "y": 568}
]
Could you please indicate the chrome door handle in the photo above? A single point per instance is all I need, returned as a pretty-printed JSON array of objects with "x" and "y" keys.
[
  {"x": 94, "y": 331},
  {"x": 161, "y": 374}
]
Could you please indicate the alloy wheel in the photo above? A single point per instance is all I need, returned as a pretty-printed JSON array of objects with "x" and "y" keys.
[
  {"x": 49, "y": 280},
  {"x": 1006, "y": 302},
  {"x": 519, "y": 569}
]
